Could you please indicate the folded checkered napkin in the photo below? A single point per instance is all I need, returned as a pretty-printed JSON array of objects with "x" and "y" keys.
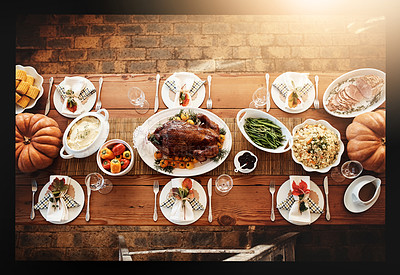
[
  {"x": 44, "y": 203},
  {"x": 169, "y": 202},
  {"x": 195, "y": 87},
  {"x": 288, "y": 202},
  {"x": 283, "y": 89},
  {"x": 85, "y": 93},
  {"x": 171, "y": 85}
]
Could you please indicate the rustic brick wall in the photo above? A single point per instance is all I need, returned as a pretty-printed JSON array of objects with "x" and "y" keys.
[
  {"x": 198, "y": 43},
  {"x": 93, "y": 243},
  {"x": 206, "y": 43}
]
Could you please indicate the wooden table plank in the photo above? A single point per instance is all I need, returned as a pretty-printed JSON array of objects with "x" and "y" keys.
[
  {"x": 227, "y": 91},
  {"x": 131, "y": 201},
  {"x": 247, "y": 204}
]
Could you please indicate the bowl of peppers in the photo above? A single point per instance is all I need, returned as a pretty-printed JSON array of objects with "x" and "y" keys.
[{"x": 115, "y": 157}]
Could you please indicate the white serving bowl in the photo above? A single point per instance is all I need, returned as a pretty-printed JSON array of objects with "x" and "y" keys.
[
  {"x": 237, "y": 163},
  {"x": 108, "y": 143},
  {"x": 328, "y": 126},
  {"x": 38, "y": 83},
  {"x": 92, "y": 147},
  {"x": 254, "y": 113}
]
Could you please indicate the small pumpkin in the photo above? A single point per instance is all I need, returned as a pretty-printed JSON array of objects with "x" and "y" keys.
[
  {"x": 37, "y": 141},
  {"x": 367, "y": 139}
]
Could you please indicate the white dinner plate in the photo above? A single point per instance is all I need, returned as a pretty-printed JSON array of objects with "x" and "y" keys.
[
  {"x": 283, "y": 194},
  {"x": 361, "y": 107},
  {"x": 197, "y": 213},
  {"x": 73, "y": 212},
  {"x": 91, "y": 100},
  {"x": 278, "y": 98},
  {"x": 168, "y": 96},
  {"x": 348, "y": 201},
  {"x": 146, "y": 149},
  {"x": 38, "y": 83}
]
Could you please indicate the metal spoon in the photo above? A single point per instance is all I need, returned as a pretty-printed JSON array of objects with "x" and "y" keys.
[{"x": 237, "y": 169}]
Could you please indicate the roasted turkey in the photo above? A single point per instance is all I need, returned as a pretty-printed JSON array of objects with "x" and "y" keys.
[{"x": 180, "y": 138}]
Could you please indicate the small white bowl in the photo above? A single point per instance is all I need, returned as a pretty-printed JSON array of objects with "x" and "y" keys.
[
  {"x": 108, "y": 143},
  {"x": 38, "y": 83},
  {"x": 237, "y": 163}
]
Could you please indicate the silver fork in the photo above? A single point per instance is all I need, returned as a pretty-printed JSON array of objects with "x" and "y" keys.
[
  {"x": 209, "y": 101},
  {"x": 272, "y": 191},
  {"x": 316, "y": 101},
  {"x": 98, "y": 103},
  {"x": 34, "y": 189},
  {"x": 155, "y": 190}
]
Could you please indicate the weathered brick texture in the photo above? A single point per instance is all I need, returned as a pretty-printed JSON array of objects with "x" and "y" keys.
[{"x": 213, "y": 43}]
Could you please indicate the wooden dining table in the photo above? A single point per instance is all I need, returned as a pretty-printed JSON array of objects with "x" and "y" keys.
[{"x": 131, "y": 200}]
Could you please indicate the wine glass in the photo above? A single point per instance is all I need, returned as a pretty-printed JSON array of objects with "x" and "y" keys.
[
  {"x": 350, "y": 169},
  {"x": 98, "y": 183},
  {"x": 259, "y": 98},
  {"x": 223, "y": 184},
  {"x": 137, "y": 98}
]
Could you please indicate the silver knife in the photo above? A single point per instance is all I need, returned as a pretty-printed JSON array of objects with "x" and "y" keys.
[
  {"x": 89, "y": 191},
  {"x": 156, "y": 99},
  {"x": 328, "y": 215},
  {"x": 268, "y": 105},
  {"x": 47, "y": 108},
  {"x": 209, "y": 189}
]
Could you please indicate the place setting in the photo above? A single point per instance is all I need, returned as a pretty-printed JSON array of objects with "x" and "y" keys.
[
  {"x": 183, "y": 89},
  {"x": 299, "y": 200},
  {"x": 183, "y": 201},
  {"x": 293, "y": 92},
  {"x": 74, "y": 96},
  {"x": 61, "y": 200}
]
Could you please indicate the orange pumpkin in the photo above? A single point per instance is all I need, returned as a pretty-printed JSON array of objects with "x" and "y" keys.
[
  {"x": 367, "y": 139},
  {"x": 37, "y": 141}
]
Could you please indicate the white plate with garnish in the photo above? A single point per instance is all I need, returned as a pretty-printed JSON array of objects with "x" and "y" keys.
[
  {"x": 197, "y": 213},
  {"x": 315, "y": 194},
  {"x": 78, "y": 196},
  {"x": 181, "y": 79},
  {"x": 87, "y": 104},
  {"x": 299, "y": 80}
]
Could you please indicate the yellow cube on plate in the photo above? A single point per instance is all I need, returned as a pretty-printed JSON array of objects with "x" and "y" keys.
[
  {"x": 24, "y": 101},
  {"x": 17, "y": 97},
  {"x": 32, "y": 92},
  {"x": 30, "y": 79},
  {"x": 23, "y": 87},
  {"x": 20, "y": 75}
]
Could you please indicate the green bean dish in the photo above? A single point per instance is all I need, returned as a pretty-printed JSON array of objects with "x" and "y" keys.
[{"x": 264, "y": 132}]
